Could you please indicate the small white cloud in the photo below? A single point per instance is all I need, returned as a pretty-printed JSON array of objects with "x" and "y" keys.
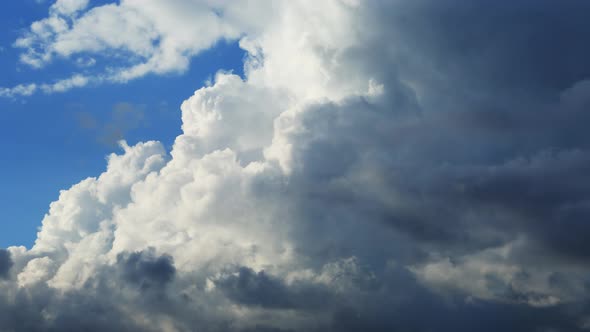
[
  {"x": 75, "y": 81},
  {"x": 85, "y": 62},
  {"x": 21, "y": 90}
]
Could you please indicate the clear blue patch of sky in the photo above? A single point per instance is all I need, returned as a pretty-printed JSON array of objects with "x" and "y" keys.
[{"x": 50, "y": 142}]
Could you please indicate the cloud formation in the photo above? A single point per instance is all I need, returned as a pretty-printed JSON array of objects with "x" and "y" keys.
[
  {"x": 133, "y": 38},
  {"x": 5, "y": 263},
  {"x": 383, "y": 166}
]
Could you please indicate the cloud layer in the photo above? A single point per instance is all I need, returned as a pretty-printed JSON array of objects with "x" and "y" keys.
[{"x": 383, "y": 166}]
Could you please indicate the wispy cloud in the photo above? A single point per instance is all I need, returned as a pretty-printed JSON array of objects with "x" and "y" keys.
[
  {"x": 154, "y": 42},
  {"x": 19, "y": 91}
]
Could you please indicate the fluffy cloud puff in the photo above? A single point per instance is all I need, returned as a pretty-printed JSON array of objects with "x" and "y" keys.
[{"x": 383, "y": 166}]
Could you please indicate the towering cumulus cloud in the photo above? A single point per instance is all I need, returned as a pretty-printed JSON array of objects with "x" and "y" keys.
[{"x": 383, "y": 166}]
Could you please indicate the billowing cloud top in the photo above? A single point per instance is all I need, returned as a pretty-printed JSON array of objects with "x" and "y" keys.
[{"x": 383, "y": 166}]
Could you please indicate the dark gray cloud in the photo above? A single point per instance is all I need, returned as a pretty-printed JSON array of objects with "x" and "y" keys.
[
  {"x": 145, "y": 269},
  {"x": 41, "y": 308},
  {"x": 527, "y": 49},
  {"x": 5, "y": 263},
  {"x": 399, "y": 303},
  {"x": 499, "y": 145},
  {"x": 250, "y": 288},
  {"x": 492, "y": 150}
]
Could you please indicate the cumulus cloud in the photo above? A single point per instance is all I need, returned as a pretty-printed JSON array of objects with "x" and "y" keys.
[{"x": 383, "y": 166}]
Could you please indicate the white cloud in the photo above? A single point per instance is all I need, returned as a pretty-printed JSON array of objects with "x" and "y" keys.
[
  {"x": 75, "y": 81},
  {"x": 19, "y": 90},
  {"x": 68, "y": 7},
  {"x": 161, "y": 37},
  {"x": 220, "y": 200},
  {"x": 85, "y": 62},
  {"x": 36, "y": 270},
  {"x": 158, "y": 37}
]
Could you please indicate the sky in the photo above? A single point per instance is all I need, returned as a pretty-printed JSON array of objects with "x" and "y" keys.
[{"x": 294, "y": 165}]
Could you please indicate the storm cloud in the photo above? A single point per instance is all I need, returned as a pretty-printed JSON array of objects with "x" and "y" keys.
[
  {"x": 382, "y": 166},
  {"x": 5, "y": 263}
]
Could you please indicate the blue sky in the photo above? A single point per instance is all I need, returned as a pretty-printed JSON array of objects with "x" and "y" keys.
[{"x": 52, "y": 141}]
